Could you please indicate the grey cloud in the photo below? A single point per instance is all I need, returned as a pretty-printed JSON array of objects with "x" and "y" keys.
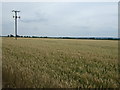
[{"x": 34, "y": 20}]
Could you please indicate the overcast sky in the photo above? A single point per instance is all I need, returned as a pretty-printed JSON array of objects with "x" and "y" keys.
[{"x": 62, "y": 19}]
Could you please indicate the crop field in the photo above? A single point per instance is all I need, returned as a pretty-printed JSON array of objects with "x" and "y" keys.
[{"x": 59, "y": 63}]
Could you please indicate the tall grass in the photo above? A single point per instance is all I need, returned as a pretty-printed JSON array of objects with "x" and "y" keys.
[{"x": 59, "y": 63}]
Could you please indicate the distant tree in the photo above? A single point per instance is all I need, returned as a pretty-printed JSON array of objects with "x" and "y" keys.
[
  {"x": 18, "y": 36},
  {"x": 45, "y": 37},
  {"x": 11, "y": 35},
  {"x": 25, "y": 36},
  {"x": 29, "y": 36}
]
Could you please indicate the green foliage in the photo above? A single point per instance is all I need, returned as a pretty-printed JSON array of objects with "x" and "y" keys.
[{"x": 59, "y": 63}]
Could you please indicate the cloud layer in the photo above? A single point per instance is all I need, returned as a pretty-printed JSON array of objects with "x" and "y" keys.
[{"x": 62, "y": 19}]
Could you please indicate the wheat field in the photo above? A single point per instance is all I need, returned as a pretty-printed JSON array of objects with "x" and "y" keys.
[{"x": 59, "y": 63}]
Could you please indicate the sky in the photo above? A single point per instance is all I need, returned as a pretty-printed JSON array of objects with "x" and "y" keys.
[{"x": 62, "y": 18}]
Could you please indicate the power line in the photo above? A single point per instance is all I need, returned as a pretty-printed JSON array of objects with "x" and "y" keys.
[{"x": 16, "y": 17}]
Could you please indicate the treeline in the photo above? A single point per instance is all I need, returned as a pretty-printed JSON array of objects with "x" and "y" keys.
[
  {"x": 25, "y": 36},
  {"x": 96, "y": 38}
]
